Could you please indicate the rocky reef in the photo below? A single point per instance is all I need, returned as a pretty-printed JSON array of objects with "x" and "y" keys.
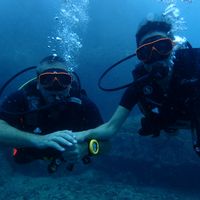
[{"x": 137, "y": 168}]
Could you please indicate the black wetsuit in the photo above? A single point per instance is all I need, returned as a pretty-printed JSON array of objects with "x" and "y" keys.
[
  {"x": 163, "y": 108},
  {"x": 30, "y": 113}
]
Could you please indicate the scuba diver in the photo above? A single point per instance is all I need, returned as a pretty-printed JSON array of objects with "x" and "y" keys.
[
  {"x": 46, "y": 107},
  {"x": 166, "y": 86}
]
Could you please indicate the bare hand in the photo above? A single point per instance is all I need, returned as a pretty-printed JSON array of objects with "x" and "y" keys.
[
  {"x": 76, "y": 152},
  {"x": 80, "y": 136},
  {"x": 58, "y": 140}
]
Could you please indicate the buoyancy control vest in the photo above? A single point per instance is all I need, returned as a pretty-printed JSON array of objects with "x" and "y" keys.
[
  {"x": 43, "y": 119},
  {"x": 33, "y": 118},
  {"x": 185, "y": 76}
]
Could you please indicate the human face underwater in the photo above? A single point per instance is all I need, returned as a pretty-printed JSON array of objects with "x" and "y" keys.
[{"x": 155, "y": 50}]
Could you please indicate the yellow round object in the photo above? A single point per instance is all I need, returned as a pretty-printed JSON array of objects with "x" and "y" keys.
[{"x": 94, "y": 147}]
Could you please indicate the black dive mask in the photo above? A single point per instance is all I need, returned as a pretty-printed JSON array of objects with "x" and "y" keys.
[
  {"x": 156, "y": 57},
  {"x": 155, "y": 49},
  {"x": 55, "y": 79}
]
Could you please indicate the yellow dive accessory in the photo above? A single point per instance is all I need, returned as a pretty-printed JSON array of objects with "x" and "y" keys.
[{"x": 93, "y": 147}]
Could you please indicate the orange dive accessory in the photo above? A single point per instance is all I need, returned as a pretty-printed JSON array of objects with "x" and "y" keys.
[
  {"x": 55, "y": 79},
  {"x": 155, "y": 50}
]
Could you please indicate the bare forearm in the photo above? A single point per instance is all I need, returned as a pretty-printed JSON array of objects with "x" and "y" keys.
[
  {"x": 58, "y": 140},
  {"x": 14, "y": 137},
  {"x": 102, "y": 132},
  {"x": 105, "y": 131}
]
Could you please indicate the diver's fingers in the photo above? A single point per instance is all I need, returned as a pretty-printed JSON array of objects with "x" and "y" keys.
[
  {"x": 69, "y": 136},
  {"x": 56, "y": 146},
  {"x": 66, "y": 135},
  {"x": 67, "y": 132},
  {"x": 62, "y": 141},
  {"x": 56, "y": 142}
]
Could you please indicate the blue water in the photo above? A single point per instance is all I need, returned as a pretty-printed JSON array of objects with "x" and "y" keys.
[{"x": 164, "y": 168}]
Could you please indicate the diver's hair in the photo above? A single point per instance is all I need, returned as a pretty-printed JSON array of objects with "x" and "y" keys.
[
  {"x": 52, "y": 59},
  {"x": 47, "y": 63},
  {"x": 160, "y": 25}
]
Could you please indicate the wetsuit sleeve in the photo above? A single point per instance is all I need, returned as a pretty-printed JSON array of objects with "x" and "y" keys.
[
  {"x": 12, "y": 108},
  {"x": 92, "y": 115},
  {"x": 130, "y": 97}
]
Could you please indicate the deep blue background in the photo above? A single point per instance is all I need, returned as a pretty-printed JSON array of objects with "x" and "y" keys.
[
  {"x": 109, "y": 36},
  {"x": 137, "y": 165}
]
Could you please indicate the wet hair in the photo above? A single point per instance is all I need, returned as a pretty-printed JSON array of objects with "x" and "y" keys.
[
  {"x": 151, "y": 26},
  {"x": 48, "y": 62}
]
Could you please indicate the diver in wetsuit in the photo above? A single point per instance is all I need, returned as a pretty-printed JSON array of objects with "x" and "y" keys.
[
  {"x": 166, "y": 86},
  {"x": 51, "y": 104}
]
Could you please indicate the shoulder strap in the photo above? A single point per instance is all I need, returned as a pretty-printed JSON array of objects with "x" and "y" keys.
[
  {"x": 138, "y": 71},
  {"x": 32, "y": 95},
  {"x": 187, "y": 63}
]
